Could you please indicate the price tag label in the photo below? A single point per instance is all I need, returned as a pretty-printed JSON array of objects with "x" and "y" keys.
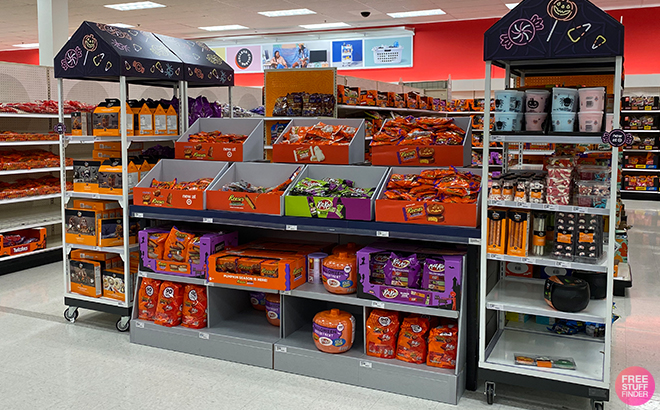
[
  {"x": 286, "y": 292},
  {"x": 142, "y": 274},
  {"x": 495, "y": 256},
  {"x": 497, "y": 138},
  {"x": 292, "y": 227},
  {"x": 530, "y": 261},
  {"x": 526, "y": 205},
  {"x": 138, "y": 215},
  {"x": 383, "y": 234},
  {"x": 207, "y": 220},
  {"x": 280, "y": 349},
  {"x": 550, "y": 207},
  {"x": 582, "y": 210},
  {"x": 474, "y": 241},
  {"x": 496, "y": 203},
  {"x": 366, "y": 365},
  {"x": 562, "y": 264},
  {"x": 378, "y": 305},
  {"x": 139, "y": 324},
  {"x": 494, "y": 306},
  {"x": 203, "y": 335}
]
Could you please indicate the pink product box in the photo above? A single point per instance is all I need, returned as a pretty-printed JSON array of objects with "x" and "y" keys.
[
  {"x": 209, "y": 244},
  {"x": 449, "y": 298}
]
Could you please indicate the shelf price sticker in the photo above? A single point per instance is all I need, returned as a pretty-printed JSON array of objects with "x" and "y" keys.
[
  {"x": 562, "y": 264},
  {"x": 529, "y": 261},
  {"x": 207, "y": 220},
  {"x": 474, "y": 241},
  {"x": 366, "y": 364},
  {"x": 495, "y": 203},
  {"x": 525, "y": 205},
  {"x": 580, "y": 209},
  {"x": 286, "y": 292},
  {"x": 204, "y": 335},
  {"x": 292, "y": 227},
  {"x": 495, "y": 306},
  {"x": 495, "y": 256},
  {"x": 378, "y": 305},
  {"x": 138, "y": 215},
  {"x": 139, "y": 324},
  {"x": 280, "y": 349},
  {"x": 383, "y": 234},
  {"x": 550, "y": 207}
]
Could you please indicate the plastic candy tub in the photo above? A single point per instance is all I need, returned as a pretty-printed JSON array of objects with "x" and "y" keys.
[
  {"x": 536, "y": 101},
  {"x": 508, "y": 121},
  {"x": 563, "y": 121},
  {"x": 592, "y": 99},
  {"x": 534, "y": 121},
  {"x": 564, "y": 99},
  {"x": 509, "y": 101},
  {"x": 591, "y": 121}
]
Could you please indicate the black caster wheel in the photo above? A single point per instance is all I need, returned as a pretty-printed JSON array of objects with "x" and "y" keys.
[
  {"x": 490, "y": 392},
  {"x": 123, "y": 324},
  {"x": 71, "y": 315},
  {"x": 597, "y": 405}
]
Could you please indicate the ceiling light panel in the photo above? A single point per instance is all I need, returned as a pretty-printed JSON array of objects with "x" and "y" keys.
[
  {"x": 121, "y": 25},
  {"x": 134, "y": 6},
  {"x": 27, "y": 45},
  {"x": 511, "y": 6},
  {"x": 223, "y": 28},
  {"x": 283, "y": 13},
  {"x": 418, "y": 13},
  {"x": 324, "y": 25}
]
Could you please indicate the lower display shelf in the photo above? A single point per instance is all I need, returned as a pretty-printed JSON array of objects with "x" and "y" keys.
[
  {"x": 526, "y": 296},
  {"x": 38, "y": 217},
  {"x": 100, "y": 300},
  {"x": 247, "y": 338},
  {"x": 588, "y": 356},
  {"x": 318, "y": 292},
  {"x": 110, "y": 249},
  {"x": 533, "y": 327},
  {"x": 172, "y": 278},
  {"x": 298, "y": 354},
  {"x": 52, "y": 244},
  {"x": 534, "y": 260}
]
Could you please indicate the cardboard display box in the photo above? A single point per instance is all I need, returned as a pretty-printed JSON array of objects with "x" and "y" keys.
[
  {"x": 352, "y": 153},
  {"x": 110, "y": 177},
  {"x": 266, "y": 175},
  {"x": 114, "y": 284},
  {"x": 85, "y": 277},
  {"x": 183, "y": 170},
  {"x": 82, "y": 224},
  {"x": 86, "y": 175},
  {"x": 209, "y": 243},
  {"x": 252, "y": 149},
  {"x": 38, "y": 234},
  {"x": 389, "y": 210},
  {"x": 353, "y": 208},
  {"x": 427, "y": 155},
  {"x": 451, "y": 270}
]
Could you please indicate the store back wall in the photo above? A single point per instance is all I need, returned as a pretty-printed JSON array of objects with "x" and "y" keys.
[{"x": 456, "y": 49}]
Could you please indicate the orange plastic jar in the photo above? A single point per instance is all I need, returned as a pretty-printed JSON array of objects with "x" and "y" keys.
[
  {"x": 333, "y": 331},
  {"x": 258, "y": 300},
  {"x": 273, "y": 309},
  {"x": 340, "y": 273}
]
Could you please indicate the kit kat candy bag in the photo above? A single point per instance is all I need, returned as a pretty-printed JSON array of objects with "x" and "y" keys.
[
  {"x": 148, "y": 298},
  {"x": 411, "y": 346},
  {"x": 400, "y": 271},
  {"x": 194, "y": 307},
  {"x": 382, "y": 331},
  {"x": 170, "y": 304}
]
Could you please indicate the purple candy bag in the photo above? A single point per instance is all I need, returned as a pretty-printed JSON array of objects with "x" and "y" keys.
[
  {"x": 400, "y": 271},
  {"x": 433, "y": 276}
]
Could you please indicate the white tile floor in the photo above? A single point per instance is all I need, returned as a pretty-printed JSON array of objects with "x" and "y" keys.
[{"x": 47, "y": 363}]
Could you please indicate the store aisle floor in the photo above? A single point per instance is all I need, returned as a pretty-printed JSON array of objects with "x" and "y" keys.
[{"x": 48, "y": 363}]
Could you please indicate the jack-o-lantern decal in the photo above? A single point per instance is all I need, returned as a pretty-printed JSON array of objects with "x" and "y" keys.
[{"x": 562, "y": 10}]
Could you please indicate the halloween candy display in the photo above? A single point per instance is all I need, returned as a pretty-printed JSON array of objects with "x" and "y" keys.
[
  {"x": 217, "y": 137},
  {"x": 46, "y": 185},
  {"x": 197, "y": 185},
  {"x": 437, "y": 185},
  {"x": 419, "y": 131},
  {"x": 319, "y": 134},
  {"x": 14, "y": 160}
]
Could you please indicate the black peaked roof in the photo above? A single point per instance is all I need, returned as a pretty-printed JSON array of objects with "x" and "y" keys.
[
  {"x": 554, "y": 29},
  {"x": 102, "y": 52}
]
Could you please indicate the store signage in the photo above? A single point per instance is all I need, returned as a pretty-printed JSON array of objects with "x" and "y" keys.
[
  {"x": 244, "y": 58},
  {"x": 617, "y": 138},
  {"x": 60, "y": 128}
]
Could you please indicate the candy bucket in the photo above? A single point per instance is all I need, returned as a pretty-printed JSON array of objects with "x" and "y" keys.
[
  {"x": 508, "y": 121},
  {"x": 509, "y": 101},
  {"x": 592, "y": 99},
  {"x": 591, "y": 121},
  {"x": 534, "y": 121},
  {"x": 563, "y": 121},
  {"x": 536, "y": 101},
  {"x": 564, "y": 99}
]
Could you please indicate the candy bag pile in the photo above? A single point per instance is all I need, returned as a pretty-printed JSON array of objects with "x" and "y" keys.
[
  {"x": 197, "y": 185},
  {"x": 217, "y": 137},
  {"x": 320, "y": 134},
  {"x": 439, "y": 185},
  {"x": 419, "y": 131},
  {"x": 330, "y": 187}
]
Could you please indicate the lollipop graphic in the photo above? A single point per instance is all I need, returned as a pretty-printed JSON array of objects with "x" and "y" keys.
[
  {"x": 561, "y": 10},
  {"x": 521, "y": 32},
  {"x": 89, "y": 44}
]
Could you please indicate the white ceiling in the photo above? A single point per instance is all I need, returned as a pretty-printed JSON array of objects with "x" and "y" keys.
[{"x": 18, "y": 20}]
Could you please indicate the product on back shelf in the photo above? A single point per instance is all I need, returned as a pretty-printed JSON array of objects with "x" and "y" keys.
[
  {"x": 411, "y": 345},
  {"x": 217, "y": 137},
  {"x": 34, "y": 158},
  {"x": 382, "y": 333},
  {"x": 539, "y": 238},
  {"x": 537, "y": 190},
  {"x": 333, "y": 331},
  {"x": 258, "y": 300},
  {"x": 438, "y": 185},
  {"x": 588, "y": 248},
  {"x": 566, "y": 293},
  {"x": 419, "y": 131},
  {"x": 559, "y": 184},
  {"x": 339, "y": 273},
  {"x": 521, "y": 194},
  {"x": 545, "y": 361},
  {"x": 496, "y": 190},
  {"x": 170, "y": 304},
  {"x": 497, "y": 231},
  {"x": 519, "y": 226},
  {"x": 508, "y": 189},
  {"x": 403, "y": 271},
  {"x": 565, "y": 236},
  {"x": 194, "y": 307},
  {"x": 443, "y": 346},
  {"x": 148, "y": 298},
  {"x": 273, "y": 309}
]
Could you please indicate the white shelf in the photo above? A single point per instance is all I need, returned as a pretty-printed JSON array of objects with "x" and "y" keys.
[
  {"x": 374, "y": 108},
  {"x": 110, "y": 249},
  {"x": 89, "y": 195},
  {"x": 173, "y": 278},
  {"x": 548, "y": 139},
  {"x": 639, "y": 192},
  {"x": 37, "y": 218},
  {"x": 526, "y": 296},
  {"x": 638, "y": 131},
  {"x": 534, "y": 260},
  {"x": 30, "y": 115},
  {"x": 52, "y": 244},
  {"x": 624, "y": 273},
  {"x": 640, "y": 170},
  {"x": 491, "y": 148},
  {"x": 27, "y": 143},
  {"x": 533, "y": 327},
  {"x": 640, "y": 111},
  {"x": 538, "y": 152},
  {"x": 33, "y": 170},
  {"x": 550, "y": 207},
  {"x": 77, "y": 139},
  {"x": 588, "y": 356},
  {"x": 640, "y": 150},
  {"x": 527, "y": 167},
  {"x": 29, "y": 198},
  {"x": 100, "y": 300}
]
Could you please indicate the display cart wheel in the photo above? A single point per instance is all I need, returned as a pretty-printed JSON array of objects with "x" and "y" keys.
[
  {"x": 597, "y": 405},
  {"x": 490, "y": 392},
  {"x": 124, "y": 323},
  {"x": 71, "y": 314}
]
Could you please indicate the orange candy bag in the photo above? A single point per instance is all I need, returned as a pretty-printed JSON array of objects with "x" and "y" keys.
[
  {"x": 148, "y": 298},
  {"x": 176, "y": 246},
  {"x": 170, "y": 303},
  {"x": 194, "y": 307},
  {"x": 411, "y": 346},
  {"x": 382, "y": 330},
  {"x": 443, "y": 341}
]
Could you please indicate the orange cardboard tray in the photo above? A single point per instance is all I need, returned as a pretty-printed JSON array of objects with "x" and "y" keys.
[{"x": 252, "y": 149}]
